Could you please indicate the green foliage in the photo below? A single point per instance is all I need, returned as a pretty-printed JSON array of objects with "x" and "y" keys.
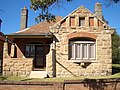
[
  {"x": 43, "y": 6},
  {"x": 116, "y": 66},
  {"x": 116, "y": 48}
]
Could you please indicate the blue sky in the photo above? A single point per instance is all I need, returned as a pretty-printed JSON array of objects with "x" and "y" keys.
[{"x": 10, "y": 11}]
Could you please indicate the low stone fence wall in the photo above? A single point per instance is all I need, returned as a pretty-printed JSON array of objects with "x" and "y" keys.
[
  {"x": 87, "y": 84},
  {"x": 17, "y": 66}
]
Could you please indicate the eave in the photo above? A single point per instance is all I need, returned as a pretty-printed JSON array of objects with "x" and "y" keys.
[{"x": 29, "y": 36}]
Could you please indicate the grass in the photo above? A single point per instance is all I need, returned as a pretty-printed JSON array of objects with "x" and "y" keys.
[
  {"x": 116, "y": 66},
  {"x": 11, "y": 78},
  {"x": 58, "y": 79}
]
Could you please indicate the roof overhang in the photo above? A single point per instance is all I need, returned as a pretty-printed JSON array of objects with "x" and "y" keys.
[{"x": 30, "y": 36}]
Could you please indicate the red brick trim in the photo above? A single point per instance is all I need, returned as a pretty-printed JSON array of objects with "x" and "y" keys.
[{"x": 81, "y": 34}]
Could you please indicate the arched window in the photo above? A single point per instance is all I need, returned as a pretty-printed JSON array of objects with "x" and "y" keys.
[{"x": 82, "y": 49}]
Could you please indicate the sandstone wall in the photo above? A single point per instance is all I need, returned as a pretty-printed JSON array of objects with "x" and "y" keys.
[
  {"x": 49, "y": 66},
  {"x": 17, "y": 66},
  {"x": 102, "y": 35},
  {"x": 100, "y": 66}
]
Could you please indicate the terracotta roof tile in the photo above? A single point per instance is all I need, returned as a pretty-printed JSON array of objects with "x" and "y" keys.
[{"x": 40, "y": 28}]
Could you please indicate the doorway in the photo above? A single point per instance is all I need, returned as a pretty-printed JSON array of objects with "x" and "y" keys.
[{"x": 40, "y": 61}]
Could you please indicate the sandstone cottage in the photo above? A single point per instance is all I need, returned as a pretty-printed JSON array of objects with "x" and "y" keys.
[{"x": 76, "y": 45}]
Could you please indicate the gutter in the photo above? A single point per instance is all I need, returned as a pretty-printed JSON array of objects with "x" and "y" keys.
[{"x": 47, "y": 35}]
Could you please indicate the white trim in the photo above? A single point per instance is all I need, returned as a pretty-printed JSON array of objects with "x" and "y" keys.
[
  {"x": 87, "y": 42},
  {"x": 22, "y": 30}
]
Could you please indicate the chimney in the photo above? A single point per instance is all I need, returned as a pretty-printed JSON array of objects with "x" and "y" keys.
[
  {"x": 0, "y": 24},
  {"x": 98, "y": 10},
  {"x": 24, "y": 18}
]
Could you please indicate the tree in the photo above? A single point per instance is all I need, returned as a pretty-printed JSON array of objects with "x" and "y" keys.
[
  {"x": 44, "y": 5},
  {"x": 116, "y": 48}
]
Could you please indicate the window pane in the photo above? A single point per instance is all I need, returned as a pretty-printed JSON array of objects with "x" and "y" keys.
[
  {"x": 91, "y": 51},
  {"x": 72, "y": 51},
  {"x": 32, "y": 50},
  {"x": 78, "y": 50},
  {"x": 27, "y": 50},
  {"x": 84, "y": 52}
]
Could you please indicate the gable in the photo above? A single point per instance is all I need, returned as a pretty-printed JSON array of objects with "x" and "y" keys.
[{"x": 81, "y": 16}]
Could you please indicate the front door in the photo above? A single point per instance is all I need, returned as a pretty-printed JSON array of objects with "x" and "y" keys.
[{"x": 39, "y": 56}]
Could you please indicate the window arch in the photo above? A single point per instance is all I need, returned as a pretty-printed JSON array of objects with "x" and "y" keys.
[{"x": 82, "y": 49}]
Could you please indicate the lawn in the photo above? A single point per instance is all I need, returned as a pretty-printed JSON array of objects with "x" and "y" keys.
[
  {"x": 56, "y": 79},
  {"x": 116, "y": 66}
]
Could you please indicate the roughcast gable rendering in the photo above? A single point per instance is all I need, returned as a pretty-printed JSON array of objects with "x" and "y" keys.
[{"x": 76, "y": 45}]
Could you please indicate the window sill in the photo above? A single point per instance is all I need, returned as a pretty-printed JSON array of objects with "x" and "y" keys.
[{"x": 83, "y": 61}]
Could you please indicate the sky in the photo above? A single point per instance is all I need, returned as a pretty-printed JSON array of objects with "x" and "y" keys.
[{"x": 10, "y": 11}]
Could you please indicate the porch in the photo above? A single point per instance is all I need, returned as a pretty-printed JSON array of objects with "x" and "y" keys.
[{"x": 27, "y": 55}]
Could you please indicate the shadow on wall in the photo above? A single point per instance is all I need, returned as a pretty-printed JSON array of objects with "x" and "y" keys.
[
  {"x": 101, "y": 84},
  {"x": 66, "y": 68}
]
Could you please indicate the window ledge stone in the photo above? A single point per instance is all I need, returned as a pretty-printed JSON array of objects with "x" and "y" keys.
[{"x": 83, "y": 61}]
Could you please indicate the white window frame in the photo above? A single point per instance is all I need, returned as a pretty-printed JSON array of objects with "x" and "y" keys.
[{"x": 81, "y": 48}]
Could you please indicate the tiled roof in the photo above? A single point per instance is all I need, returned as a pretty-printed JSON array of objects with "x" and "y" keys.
[{"x": 40, "y": 28}]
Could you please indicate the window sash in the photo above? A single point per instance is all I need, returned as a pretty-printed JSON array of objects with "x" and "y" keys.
[
  {"x": 92, "y": 51},
  {"x": 72, "y": 50},
  {"x": 82, "y": 50},
  {"x": 85, "y": 51},
  {"x": 78, "y": 51}
]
